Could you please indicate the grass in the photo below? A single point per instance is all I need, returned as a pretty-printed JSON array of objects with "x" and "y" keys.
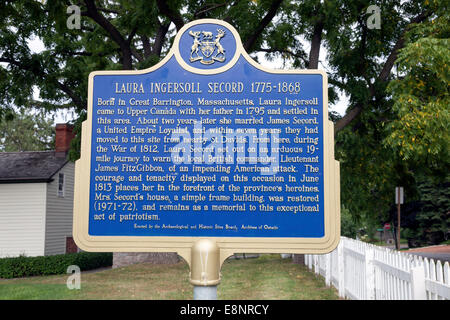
[
  {"x": 273, "y": 278},
  {"x": 267, "y": 277}
]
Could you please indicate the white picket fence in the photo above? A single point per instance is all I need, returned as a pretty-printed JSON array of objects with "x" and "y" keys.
[{"x": 361, "y": 271}]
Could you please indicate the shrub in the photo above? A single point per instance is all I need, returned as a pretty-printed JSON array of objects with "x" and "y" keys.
[
  {"x": 349, "y": 226},
  {"x": 57, "y": 264}
]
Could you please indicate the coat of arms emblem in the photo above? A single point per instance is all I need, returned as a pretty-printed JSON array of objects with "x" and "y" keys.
[{"x": 207, "y": 49}]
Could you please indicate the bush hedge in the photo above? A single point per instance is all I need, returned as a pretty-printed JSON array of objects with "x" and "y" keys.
[{"x": 57, "y": 264}]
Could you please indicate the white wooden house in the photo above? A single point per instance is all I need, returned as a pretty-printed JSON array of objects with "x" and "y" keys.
[{"x": 36, "y": 200}]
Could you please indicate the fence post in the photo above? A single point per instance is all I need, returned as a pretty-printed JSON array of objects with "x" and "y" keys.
[
  {"x": 341, "y": 270},
  {"x": 370, "y": 274},
  {"x": 316, "y": 264},
  {"x": 328, "y": 269},
  {"x": 418, "y": 289}
]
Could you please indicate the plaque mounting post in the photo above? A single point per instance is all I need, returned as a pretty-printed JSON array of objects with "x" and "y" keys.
[{"x": 205, "y": 269}]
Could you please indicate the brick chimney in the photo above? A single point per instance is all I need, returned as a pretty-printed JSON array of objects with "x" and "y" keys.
[{"x": 63, "y": 137}]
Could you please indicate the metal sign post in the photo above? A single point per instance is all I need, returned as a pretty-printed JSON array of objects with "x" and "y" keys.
[
  {"x": 205, "y": 269},
  {"x": 398, "y": 201},
  {"x": 207, "y": 154}
]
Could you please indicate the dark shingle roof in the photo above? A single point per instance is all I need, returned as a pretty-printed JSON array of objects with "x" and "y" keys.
[{"x": 36, "y": 166}]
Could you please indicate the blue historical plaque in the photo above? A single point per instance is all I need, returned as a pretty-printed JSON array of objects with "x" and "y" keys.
[{"x": 208, "y": 144}]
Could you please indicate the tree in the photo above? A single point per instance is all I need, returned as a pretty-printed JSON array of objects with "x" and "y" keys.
[
  {"x": 419, "y": 129},
  {"x": 421, "y": 97},
  {"x": 427, "y": 221},
  {"x": 348, "y": 225},
  {"x": 379, "y": 148},
  {"x": 27, "y": 131},
  {"x": 136, "y": 34},
  {"x": 434, "y": 217}
]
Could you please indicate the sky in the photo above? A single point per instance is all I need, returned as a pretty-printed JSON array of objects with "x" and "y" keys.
[{"x": 62, "y": 116}]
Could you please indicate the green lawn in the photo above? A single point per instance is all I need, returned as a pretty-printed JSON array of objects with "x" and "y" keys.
[{"x": 267, "y": 277}]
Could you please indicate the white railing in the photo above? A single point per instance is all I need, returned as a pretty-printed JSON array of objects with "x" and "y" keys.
[{"x": 361, "y": 271}]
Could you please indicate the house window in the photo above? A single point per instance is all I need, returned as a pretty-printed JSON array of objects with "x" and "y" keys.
[{"x": 61, "y": 185}]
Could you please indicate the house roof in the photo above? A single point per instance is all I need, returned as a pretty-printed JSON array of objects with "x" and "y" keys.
[{"x": 36, "y": 166}]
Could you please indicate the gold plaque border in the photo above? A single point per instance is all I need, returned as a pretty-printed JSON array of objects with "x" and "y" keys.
[{"x": 227, "y": 245}]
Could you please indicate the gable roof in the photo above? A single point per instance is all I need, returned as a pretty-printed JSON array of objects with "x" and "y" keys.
[{"x": 36, "y": 166}]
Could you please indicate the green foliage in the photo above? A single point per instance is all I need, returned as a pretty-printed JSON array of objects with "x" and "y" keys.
[
  {"x": 27, "y": 131},
  {"x": 349, "y": 227},
  {"x": 74, "y": 152},
  {"x": 417, "y": 131},
  {"x": 399, "y": 127},
  {"x": 401, "y": 132},
  {"x": 370, "y": 171},
  {"x": 433, "y": 220},
  {"x": 57, "y": 264},
  {"x": 421, "y": 97}
]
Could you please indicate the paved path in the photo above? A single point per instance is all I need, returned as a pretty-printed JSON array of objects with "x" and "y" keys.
[{"x": 439, "y": 252}]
